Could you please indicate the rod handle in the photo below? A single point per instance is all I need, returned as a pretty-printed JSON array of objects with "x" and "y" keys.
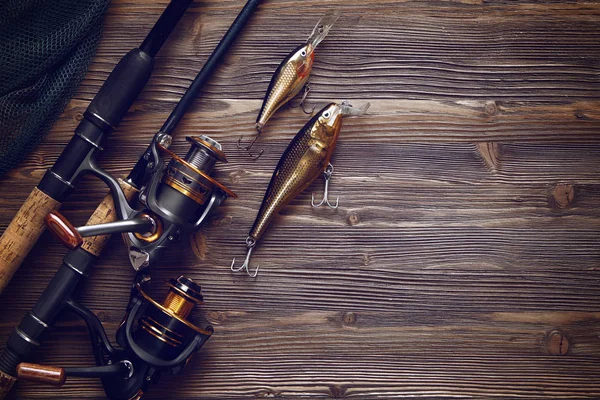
[
  {"x": 63, "y": 230},
  {"x": 22, "y": 233},
  {"x": 41, "y": 373}
]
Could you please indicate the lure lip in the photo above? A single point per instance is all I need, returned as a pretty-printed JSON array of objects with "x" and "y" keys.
[
  {"x": 348, "y": 109},
  {"x": 323, "y": 27}
]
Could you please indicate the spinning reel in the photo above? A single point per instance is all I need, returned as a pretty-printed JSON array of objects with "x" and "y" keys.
[
  {"x": 163, "y": 342},
  {"x": 176, "y": 198}
]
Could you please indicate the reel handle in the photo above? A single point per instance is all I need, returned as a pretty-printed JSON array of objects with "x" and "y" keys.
[
  {"x": 63, "y": 230},
  {"x": 57, "y": 376},
  {"x": 41, "y": 374},
  {"x": 72, "y": 237}
]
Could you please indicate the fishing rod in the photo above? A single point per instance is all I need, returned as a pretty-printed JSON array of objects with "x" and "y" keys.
[
  {"x": 103, "y": 114},
  {"x": 175, "y": 198}
]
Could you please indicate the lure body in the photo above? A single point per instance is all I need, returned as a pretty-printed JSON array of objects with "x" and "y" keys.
[
  {"x": 293, "y": 72},
  {"x": 291, "y": 76},
  {"x": 303, "y": 161}
]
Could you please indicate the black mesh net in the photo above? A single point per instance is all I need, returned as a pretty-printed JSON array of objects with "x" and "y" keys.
[{"x": 45, "y": 49}]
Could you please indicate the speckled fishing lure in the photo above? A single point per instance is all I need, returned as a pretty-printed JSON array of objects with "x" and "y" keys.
[
  {"x": 307, "y": 156},
  {"x": 292, "y": 74}
]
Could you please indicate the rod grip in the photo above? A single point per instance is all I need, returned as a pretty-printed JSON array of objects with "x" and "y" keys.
[
  {"x": 105, "y": 212},
  {"x": 41, "y": 374},
  {"x": 22, "y": 233}
]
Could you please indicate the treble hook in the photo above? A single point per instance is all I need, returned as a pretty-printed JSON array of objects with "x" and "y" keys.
[
  {"x": 301, "y": 104},
  {"x": 250, "y": 243},
  {"x": 247, "y": 148},
  {"x": 327, "y": 176}
]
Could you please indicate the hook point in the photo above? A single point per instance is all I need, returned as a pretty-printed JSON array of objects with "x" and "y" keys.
[
  {"x": 246, "y": 263},
  {"x": 239, "y": 141},
  {"x": 326, "y": 175}
]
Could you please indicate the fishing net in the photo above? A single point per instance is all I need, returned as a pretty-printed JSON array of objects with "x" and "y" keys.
[{"x": 45, "y": 49}]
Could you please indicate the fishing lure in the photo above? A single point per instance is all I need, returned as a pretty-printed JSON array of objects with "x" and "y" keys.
[
  {"x": 291, "y": 75},
  {"x": 306, "y": 157}
]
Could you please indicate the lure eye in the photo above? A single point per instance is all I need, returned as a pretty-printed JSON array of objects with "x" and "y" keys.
[
  {"x": 326, "y": 114},
  {"x": 303, "y": 53}
]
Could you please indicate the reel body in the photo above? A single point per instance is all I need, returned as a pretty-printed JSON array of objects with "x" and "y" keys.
[{"x": 179, "y": 195}]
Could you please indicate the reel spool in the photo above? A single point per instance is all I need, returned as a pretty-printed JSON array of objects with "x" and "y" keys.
[
  {"x": 164, "y": 330},
  {"x": 186, "y": 186}
]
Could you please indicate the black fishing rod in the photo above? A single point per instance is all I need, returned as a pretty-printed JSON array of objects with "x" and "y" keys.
[
  {"x": 172, "y": 200},
  {"x": 104, "y": 113}
]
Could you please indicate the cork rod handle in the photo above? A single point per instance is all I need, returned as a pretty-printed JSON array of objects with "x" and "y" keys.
[{"x": 23, "y": 232}]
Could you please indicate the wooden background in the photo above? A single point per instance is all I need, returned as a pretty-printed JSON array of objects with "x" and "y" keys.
[{"x": 464, "y": 258}]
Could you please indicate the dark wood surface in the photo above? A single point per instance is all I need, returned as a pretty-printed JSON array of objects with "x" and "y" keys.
[{"x": 464, "y": 260}]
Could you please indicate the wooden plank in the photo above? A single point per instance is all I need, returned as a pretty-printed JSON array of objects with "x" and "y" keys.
[
  {"x": 463, "y": 260},
  {"x": 385, "y": 50}
]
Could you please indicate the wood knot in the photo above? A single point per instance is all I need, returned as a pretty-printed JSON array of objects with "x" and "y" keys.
[
  {"x": 102, "y": 316},
  {"x": 216, "y": 317},
  {"x": 221, "y": 220},
  {"x": 558, "y": 344},
  {"x": 236, "y": 176},
  {"x": 353, "y": 219},
  {"x": 366, "y": 259},
  {"x": 349, "y": 318},
  {"x": 337, "y": 391},
  {"x": 490, "y": 153},
  {"x": 197, "y": 27},
  {"x": 267, "y": 393},
  {"x": 562, "y": 195},
  {"x": 199, "y": 245},
  {"x": 79, "y": 117},
  {"x": 491, "y": 108}
]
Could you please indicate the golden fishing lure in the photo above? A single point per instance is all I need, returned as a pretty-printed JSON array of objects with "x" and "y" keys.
[
  {"x": 306, "y": 157},
  {"x": 292, "y": 74}
]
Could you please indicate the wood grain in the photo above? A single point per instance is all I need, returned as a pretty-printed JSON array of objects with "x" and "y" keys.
[{"x": 463, "y": 261}]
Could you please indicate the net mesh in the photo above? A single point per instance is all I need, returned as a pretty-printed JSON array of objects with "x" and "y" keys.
[{"x": 45, "y": 49}]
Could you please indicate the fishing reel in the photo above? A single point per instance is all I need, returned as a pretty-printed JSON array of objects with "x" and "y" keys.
[
  {"x": 154, "y": 337},
  {"x": 176, "y": 199}
]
